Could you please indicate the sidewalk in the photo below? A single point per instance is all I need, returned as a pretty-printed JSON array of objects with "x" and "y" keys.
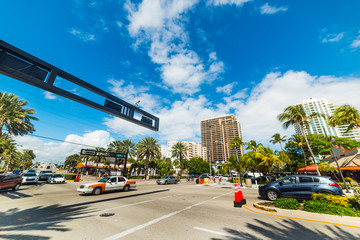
[{"x": 347, "y": 221}]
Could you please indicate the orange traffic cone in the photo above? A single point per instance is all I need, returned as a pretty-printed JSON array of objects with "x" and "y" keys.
[
  {"x": 77, "y": 178},
  {"x": 239, "y": 198}
]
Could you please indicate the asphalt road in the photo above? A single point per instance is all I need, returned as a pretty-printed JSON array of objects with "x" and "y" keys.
[{"x": 181, "y": 211}]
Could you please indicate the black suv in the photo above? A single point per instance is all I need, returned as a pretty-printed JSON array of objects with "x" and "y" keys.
[
  {"x": 299, "y": 187},
  {"x": 10, "y": 181}
]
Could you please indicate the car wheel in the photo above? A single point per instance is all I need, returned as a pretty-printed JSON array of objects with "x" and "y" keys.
[
  {"x": 97, "y": 191},
  {"x": 126, "y": 188},
  {"x": 16, "y": 187},
  {"x": 272, "y": 195}
]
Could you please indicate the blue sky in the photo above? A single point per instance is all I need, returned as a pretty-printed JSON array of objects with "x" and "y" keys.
[{"x": 185, "y": 61}]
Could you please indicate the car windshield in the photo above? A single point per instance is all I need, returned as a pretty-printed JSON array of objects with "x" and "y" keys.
[
  {"x": 29, "y": 174},
  {"x": 105, "y": 179},
  {"x": 57, "y": 176}
]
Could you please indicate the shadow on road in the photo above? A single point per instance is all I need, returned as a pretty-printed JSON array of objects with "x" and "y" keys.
[
  {"x": 36, "y": 218},
  {"x": 290, "y": 229}
]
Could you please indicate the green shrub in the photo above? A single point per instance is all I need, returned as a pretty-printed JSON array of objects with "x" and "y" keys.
[
  {"x": 357, "y": 193},
  {"x": 69, "y": 176},
  {"x": 287, "y": 203},
  {"x": 324, "y": 207},
  {"x": 136, "y": 177},
  {"x": 348, "y": 179},
  {"x": 331, "y": 199}
]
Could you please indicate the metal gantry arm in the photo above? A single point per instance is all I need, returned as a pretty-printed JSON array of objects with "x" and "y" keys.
[{"x": 22, "y": 66}]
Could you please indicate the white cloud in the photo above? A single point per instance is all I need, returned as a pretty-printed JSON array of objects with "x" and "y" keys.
[
  {"x": 132, "y": 94},
  {"x": 227, "y": 89},
  {"x": 49, "y": 95},
  {"x": 227, "y": 2},
  {"x": 161, "y": 23},
  {"x": 333, "y": 37},
  {"x": 267, "y": 9},
  {"x": 257, "y": 114},
  {"x": 56, "y": 152},
  {"x": 277, "y": 91},
  {"x": 356, "y": 43},
  {"x": 82, "y": 35}
]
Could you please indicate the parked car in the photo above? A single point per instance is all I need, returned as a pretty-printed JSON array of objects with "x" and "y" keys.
[
  {"x": 45, "y": 174},
  {"x": 20, "y": 172},
  {"x": 10, "y": 181},
  {"x": 56, "y": 178},
  {"x": 167, "y": 180},
  {"x": 265, "y": 178},
  {"x": 106, "y": 184},
  {"x": 299, "y": 187},
  {"x": 30, "y": 177}
]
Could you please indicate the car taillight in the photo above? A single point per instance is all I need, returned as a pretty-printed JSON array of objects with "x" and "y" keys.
[{"x": 334, "y": 185}]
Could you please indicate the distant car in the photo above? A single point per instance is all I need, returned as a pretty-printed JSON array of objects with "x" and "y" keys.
[
  {"x": 299, "y": 187},
  {"x": 33, "y": 171},
  {"x": 114, "y": 183},
  {"x": 10, "y": 181},
  {"x": 30, "y": 177},
  {"x": 45, "y": 174},
  {"x": 167, "y": 180},
  {"x": 265, "y": 178},
  {"x": 20, "y": 172},
  {"x": 56, "y": 178},
  {"x": 218, "y": 176}
]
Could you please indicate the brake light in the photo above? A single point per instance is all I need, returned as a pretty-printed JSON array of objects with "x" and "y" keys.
[{"x": 334, "y": 185}]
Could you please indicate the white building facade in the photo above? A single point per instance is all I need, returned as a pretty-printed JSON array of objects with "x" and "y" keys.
[{"x": 318, "y": 124}]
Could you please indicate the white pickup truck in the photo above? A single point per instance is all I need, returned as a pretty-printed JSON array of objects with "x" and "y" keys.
[{"x": 114, "y": 183}]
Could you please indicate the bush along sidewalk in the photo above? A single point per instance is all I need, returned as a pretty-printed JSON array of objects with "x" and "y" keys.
[
  {"x": 334, "y": 205},
  {"x": 324, "y": 203},
  {"x": 287, "y": 203}
]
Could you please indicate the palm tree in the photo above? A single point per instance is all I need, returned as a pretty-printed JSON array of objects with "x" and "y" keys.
[
  {"x": 72, "y": 160},
  {"x": 251, "y": 159},
  {"x": 15, "y": 118},
  {"x": 147, "y": 147},
  {"x": 236, "y": 144},
  {"x": 345, "y": 115},
  {"x": 296, "y": 115},
  {"x": 278, "y": 139},
  {"x": 179, "y": 151},
  {"x": 98, "y": 159},
  {"x": 127, "y": 148},
  {"x": 298, "y": 141},
  {"x": 268, "y": 157}
]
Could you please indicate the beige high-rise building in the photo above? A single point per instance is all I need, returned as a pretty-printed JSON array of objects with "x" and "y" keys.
[
  {"x": 216, "y": 135},
  {"x": 194, "y": 149}
]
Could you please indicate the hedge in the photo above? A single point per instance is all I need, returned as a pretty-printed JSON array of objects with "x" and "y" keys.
[
  {"x": 69, "y": 176},
  {"x": 287, "y": 203},
  {"x": 324, "y": 207}
]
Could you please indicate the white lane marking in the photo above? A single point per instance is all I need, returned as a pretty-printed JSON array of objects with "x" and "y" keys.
[
  {"x": 219, "y": 233},
  {"x": 156, "y": 220},
  {"x": 90, "y": 214}
]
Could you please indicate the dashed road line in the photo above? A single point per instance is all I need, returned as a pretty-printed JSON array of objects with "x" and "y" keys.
[
  {"x": 219, "y": 233},
  {"x": 156, "y": 220}
]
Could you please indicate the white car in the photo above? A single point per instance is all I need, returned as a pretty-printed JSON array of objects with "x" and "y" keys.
[
  {"x": 30, "y": 177},
  {"x": 56, "y": 178},
  {"x": 114, "y": 183}
]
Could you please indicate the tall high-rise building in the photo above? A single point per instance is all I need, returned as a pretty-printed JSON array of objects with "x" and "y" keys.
[
  {"x": 216, "y": 135},
  {"x": 194, "y": 149},
  {"x": 318, "y": 124}
]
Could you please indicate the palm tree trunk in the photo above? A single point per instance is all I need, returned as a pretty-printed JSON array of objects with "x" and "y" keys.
[
  {"x": 311, "y": 152},
  {"x": 147, "y": 166},
  {"x": 125, "y": 170},
  {"x": 302, "y": 149},
  {"x": 180, "y": 167}
]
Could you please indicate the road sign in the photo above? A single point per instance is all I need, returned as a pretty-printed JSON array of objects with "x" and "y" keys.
[{"x": 88, "y": 152}]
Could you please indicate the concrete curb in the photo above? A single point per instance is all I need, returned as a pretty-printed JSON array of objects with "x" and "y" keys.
[{"x": 261, "y": 207}]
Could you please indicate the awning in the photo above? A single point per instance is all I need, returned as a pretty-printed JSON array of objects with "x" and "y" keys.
[
  {"x": 350, "y": 168},
  {"x": 310, "y": 168}
]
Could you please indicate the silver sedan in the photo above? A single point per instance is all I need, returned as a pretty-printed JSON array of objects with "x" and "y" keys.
[{"x": 167, "y": 180}]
